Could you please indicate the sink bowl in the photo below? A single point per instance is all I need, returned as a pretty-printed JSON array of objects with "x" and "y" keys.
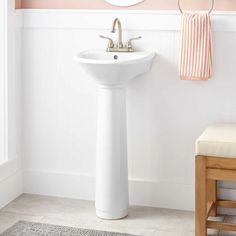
[
  {"x": 112, "y": 71},
  {"x": 114, "y": 68}
]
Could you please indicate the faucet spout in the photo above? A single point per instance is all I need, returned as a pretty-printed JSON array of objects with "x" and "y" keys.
[
  {"x": 113, "y": 30},
  {"x": 118, "y": 46}
]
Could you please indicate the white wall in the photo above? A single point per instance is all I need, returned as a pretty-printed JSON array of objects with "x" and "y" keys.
[{"x": 165, "y": 115}]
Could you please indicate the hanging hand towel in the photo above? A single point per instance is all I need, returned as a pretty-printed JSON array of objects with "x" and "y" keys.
[{"x": 196, "y": 47}]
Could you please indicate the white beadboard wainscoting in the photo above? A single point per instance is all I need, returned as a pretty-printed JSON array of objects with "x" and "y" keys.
[
  {"x": 165, "y": 115},
  {"x": 10, "y": 103}
]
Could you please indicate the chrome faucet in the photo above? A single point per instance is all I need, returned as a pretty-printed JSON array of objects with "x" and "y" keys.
[{"x": 119, "y": 46}]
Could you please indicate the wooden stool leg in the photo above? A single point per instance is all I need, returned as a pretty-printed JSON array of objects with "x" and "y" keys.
[
  {"x": 212, "y": 195},
  {"x": 200, "y": 197}
]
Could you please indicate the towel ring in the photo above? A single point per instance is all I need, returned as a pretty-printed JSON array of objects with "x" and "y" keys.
[{"x": 212, "y": 6}]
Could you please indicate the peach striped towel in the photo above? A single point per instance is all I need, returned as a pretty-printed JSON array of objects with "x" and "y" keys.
[{"x": 196, "y": 47}]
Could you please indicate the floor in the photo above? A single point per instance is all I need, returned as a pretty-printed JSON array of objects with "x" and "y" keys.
[{"x": 145, "y": 221}]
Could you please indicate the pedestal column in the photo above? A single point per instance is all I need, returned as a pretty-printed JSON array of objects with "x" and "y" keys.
[{"x": 111, "y": 164}]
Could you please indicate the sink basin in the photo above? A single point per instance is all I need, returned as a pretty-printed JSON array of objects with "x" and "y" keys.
[
  {"x": 112, "y": 71},
  {"x": 115, "y": 68}
]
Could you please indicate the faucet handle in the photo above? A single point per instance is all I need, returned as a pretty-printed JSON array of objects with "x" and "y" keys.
[
  {"x": 129, "y": 45},
  {"x": 110, "y": 41},
  {"x": 130, "y": 40}
]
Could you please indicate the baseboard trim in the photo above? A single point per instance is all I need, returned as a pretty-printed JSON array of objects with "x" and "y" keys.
[
  {"x": 10, "y": 187},
  {"x": 142, "y": 192},
  {"x": 82, "y": 186}
]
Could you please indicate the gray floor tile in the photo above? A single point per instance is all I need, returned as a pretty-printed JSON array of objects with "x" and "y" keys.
[
  {"x": 146, "y": 221},
  {"x": 170, "y": 233},
  {"x": 9, "y": 219}
]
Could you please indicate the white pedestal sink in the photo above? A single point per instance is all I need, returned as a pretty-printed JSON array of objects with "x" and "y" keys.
[{"x": 112, "y": 71}]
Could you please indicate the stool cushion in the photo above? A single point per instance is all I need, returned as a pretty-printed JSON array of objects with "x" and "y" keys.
[{"x": 218, "y": 140}]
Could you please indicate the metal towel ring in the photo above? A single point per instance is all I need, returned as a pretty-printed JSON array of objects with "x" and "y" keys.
[{"x": 212, "y": 6}]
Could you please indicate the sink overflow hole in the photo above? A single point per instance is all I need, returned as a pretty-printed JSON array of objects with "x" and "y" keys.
[{"x": 115, "y": 57}]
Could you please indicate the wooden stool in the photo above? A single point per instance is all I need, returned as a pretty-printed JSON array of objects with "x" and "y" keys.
[{"x": 215, "y": 160}]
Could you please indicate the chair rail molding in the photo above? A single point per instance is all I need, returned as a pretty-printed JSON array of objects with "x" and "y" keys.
[{"x": 81, "y": 19}]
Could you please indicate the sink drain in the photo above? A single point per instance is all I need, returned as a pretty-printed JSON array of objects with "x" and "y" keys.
[{"x": 115, "y": 57}]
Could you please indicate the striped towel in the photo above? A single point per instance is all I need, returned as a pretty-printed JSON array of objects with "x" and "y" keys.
[{"x": 196, "y": 47}]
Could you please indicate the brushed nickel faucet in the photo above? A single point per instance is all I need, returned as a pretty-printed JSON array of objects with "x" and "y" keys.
[
  {"x": 113, "y": 30},
  {"x": 119, "y": 46}
]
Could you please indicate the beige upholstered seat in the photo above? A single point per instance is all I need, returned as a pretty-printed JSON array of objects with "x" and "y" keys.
[{"x": 218, "y": 140}]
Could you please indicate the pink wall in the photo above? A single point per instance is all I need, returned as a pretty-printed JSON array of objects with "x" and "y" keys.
[
  {"x": 147, "y": 4},
  {"x": 18, "y": 3}
]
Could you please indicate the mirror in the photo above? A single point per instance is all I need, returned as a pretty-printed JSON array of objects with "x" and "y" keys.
[{"x": 124, "y": 3}]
